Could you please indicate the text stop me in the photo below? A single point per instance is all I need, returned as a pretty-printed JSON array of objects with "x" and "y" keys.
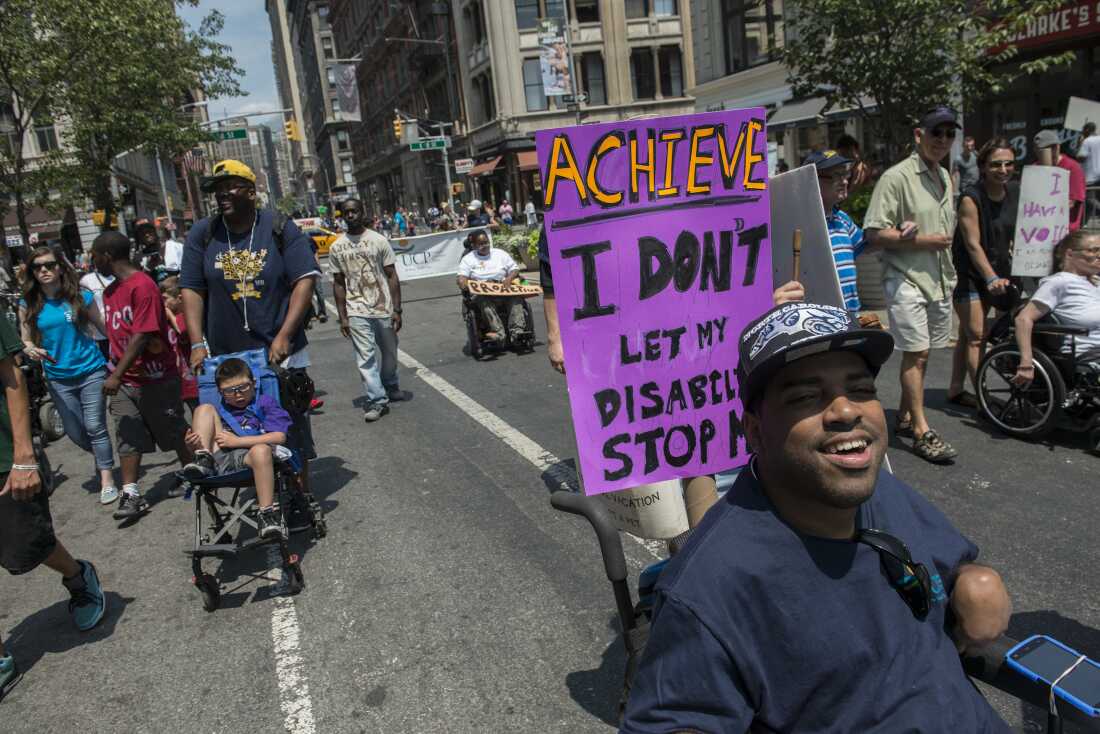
[{"x": 660, "y": 248}]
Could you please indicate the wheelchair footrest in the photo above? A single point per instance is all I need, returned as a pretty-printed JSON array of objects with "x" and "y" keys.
[{"x": 220, "y": 550}]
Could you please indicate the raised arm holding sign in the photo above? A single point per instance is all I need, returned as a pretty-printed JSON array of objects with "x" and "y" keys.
[{"x": 658, "y": 235}]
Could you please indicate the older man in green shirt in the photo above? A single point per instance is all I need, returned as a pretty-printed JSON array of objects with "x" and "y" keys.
[{"x": 912, "y": 216}]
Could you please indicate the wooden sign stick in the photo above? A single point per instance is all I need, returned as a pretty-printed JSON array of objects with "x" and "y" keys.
[{"x": 797, "y": 271}]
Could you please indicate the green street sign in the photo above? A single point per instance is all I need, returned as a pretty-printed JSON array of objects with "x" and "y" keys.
[
  {"x": 238, "y": 134},
  {"x": 429, "y": 144}
]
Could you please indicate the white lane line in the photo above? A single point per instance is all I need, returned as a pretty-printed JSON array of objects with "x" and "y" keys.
[
  {"x": 289, "y": 668},
  {"x": 563, "y": 477}
]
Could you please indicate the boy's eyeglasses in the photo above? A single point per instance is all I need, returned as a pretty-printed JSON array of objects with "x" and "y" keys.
[
  {"x": 910, "y": 579},
  {"x": 50, "y": 265},
  {"x": 236, "y": 390}
]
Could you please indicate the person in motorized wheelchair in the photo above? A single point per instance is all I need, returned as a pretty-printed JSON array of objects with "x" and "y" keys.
[
  {"x": 1041, "y": 370},
  {"x": 822, "y": 594},
  {"x": 500, "y": 320}
]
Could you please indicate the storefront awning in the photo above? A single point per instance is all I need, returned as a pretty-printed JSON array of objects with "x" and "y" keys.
[
  {"x": 794, "y": 112},
  {"x": 528, "y": 160},
  {"x": 485, "y": 167}
]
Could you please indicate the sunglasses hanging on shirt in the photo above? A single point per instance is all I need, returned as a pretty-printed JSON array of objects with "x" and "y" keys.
[{"x": 909, "y": 578}]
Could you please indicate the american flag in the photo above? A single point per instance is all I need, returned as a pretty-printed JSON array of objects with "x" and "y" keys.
[{"x": 193, "y": 160}]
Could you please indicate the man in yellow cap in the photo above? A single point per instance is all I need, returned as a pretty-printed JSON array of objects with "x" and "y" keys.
[{"x": 247, "y": 277}]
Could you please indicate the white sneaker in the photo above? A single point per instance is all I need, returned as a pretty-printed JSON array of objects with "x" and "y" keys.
[{"x": 108, "y": 495}]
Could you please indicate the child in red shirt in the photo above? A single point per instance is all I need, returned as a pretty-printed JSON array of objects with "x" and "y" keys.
[
  {"x": 173, "y": 303},
  {"x": 144, "y": 384}
]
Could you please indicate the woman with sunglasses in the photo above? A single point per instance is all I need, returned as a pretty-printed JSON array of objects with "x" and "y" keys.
[
  {"x": 1072, "y": 293},
  {"x": 982, "y": 254},
  {"x": 56, "y": 316}
]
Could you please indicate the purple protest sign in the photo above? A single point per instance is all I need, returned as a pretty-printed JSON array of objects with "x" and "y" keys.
[{"x": 659, "y": 244}]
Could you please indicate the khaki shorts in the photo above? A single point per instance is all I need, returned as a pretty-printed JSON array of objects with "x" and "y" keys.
[
  {"x": 917, "y": 323},
  {"x": 149, "y": 416}
]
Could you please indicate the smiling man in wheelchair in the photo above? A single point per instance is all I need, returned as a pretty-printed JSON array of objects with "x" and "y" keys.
[
  {"x": 487, "y": 263},
  {"x": 242, "y": 431},
  {"x": 822, "y": 594}
]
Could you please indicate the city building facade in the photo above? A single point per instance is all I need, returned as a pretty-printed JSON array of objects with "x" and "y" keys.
[
  {"x": 407, "y": 66},
  {"x": 286, "y": 61},
  {"x": 332, "y": 168},
  {"x": 631, "y": 59}
]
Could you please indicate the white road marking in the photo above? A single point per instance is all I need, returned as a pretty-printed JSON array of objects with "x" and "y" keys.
[{"x": 289, "y": 668}]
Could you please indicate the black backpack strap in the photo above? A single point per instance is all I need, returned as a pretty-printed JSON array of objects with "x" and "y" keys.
[
  {"x": 211, "y": 223},
  {"x": 278, "y": 224}
]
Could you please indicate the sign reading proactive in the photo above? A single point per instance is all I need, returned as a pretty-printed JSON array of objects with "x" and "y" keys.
[{"x": 660, "y": 248}]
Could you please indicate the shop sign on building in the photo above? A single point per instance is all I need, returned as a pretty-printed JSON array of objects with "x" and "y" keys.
[{"x": 1070, "y": 21}]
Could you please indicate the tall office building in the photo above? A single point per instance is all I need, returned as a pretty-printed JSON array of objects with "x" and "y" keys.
[{"x": 285, "y": 58}]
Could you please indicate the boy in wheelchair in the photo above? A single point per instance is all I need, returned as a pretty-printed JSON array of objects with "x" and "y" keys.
[{"x": 242, "y": 431}]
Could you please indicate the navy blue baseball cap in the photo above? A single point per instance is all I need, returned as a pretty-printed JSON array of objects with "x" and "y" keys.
[
  {"x": 793, "y": 331},
  {"x": 825, "y": 159},
  {"x": 940, "y": 115}
]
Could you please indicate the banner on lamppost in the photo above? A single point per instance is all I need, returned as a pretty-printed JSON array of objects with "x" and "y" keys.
[
  {"x": 554, "y": 60},
  {"x": 347, "y": 91}
]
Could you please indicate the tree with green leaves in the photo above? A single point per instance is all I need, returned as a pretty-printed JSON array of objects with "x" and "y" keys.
[
  {"x": 287, "y": 205},
  {"x": 892, "y": 59},
  {"x": 113, "y": 76}
]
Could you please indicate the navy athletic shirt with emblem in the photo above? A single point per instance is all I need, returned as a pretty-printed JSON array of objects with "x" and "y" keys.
[
  {"x": 761, "y": 628},
  {"x": 247, "y": 289}
]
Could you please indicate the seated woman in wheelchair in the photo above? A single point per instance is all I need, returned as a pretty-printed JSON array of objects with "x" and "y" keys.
[
  {"x": 486, "y": 263},
  {"x": 1072, "y": 294},
  {"x": 243, "y": 431}
]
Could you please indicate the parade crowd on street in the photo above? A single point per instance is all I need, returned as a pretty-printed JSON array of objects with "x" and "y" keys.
[{"x": 123, "y": 331}]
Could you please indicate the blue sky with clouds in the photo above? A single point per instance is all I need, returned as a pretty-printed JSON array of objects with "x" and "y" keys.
[{"x": 248, "y": 32}]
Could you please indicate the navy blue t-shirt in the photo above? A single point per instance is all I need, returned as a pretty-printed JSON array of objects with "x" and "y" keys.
[
  {"x": 247, "y": 288},
  {"x": 760, "y": 627}
]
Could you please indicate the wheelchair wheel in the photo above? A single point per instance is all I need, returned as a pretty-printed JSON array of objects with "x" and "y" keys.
[
  {"x": 1030, "y": 411},
  {"x": 52, "y": 426},
  {"x": 211, "y": 594},
  {"x": 473, "y": 338}
]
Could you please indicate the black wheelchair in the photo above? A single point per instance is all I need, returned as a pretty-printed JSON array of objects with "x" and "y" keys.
[
  {"x": 478, "y": 346},
  {"x": 986, "y": 665},
  {"x": 1065, "y": 393},
  {"x": 229, "y": 500}
]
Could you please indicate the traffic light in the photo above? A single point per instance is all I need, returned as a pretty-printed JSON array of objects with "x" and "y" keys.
[
  {"x": 397, "y": 124},
  {"x": 292, "y": 131}
]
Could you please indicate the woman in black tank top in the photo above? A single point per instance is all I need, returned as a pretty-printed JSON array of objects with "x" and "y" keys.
[{"x": 982, "y": 253}]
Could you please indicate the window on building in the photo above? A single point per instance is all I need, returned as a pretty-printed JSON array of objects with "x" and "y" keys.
[
  {"x": 342, "y": 141},
  {"x": 642, "y": 8},
  {"x": 753, "y": 29},
  {"x": 322, "y": 13},
  {"x": 641, "y": 73},
  {"x": 335, "y": 105},
  {"x": 327, "y": 48},
  {"x": 474, "y": 22},
  {"x": 346, "y": 167},
  {"x": 587, "y": 11},
  {"x": 7, "y": 126},
  {"x": 672, "y": 77},
  {"x": 592, "y": 77},
  {"x": 330, "y": 74},
  {"x": 483, "y": 83},
  {"x": 47, "y": 138},
  {"x": 532, "y": 86},
  {"x": 527, "y": 14}
]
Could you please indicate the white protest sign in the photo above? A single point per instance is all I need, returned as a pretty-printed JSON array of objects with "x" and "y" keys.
[
  {"x": 1042, "y": 219},
  {"x": 649, "y": 511},
  {"x": 429, "y": 255},
  {"x": 1080, "y": 111},
  {"x": 796, "y": 205}
]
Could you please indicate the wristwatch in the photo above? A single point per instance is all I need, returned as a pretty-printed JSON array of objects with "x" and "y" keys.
[{"x": 397, "y": 310}]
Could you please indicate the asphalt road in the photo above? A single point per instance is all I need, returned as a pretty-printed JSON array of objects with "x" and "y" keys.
[{"x": 448, "y": 595}]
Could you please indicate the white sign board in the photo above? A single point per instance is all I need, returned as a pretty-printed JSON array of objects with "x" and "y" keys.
[
  {"x": 429, "y": 255},
  {"x": 1079, "y": 111},
  {"x": 648, "y": 511},
  {"x": 796, "y": 204},
  {"x": 1042, "y": 219},
  {"x": 464, "y": 165}
]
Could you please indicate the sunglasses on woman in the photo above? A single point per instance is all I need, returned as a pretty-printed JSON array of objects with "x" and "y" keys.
[{"x": 50, "y": 265}]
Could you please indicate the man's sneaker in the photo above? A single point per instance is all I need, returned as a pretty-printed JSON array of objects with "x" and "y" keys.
[
  {"x": 131, "y": 505},
  {"x": 108, "y": 494},
  {"x": 396, "y": 395},
  {"x": 322, "y": 318},
  {"x": 375, "y": 412},
  {"x": 88, "y": 604},
  {"x": 202, "y": 466},
  {"x": 270, "y": 520}
]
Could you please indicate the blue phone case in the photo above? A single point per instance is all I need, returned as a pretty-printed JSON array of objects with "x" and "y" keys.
[{"x": 1058, "y": 690}]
